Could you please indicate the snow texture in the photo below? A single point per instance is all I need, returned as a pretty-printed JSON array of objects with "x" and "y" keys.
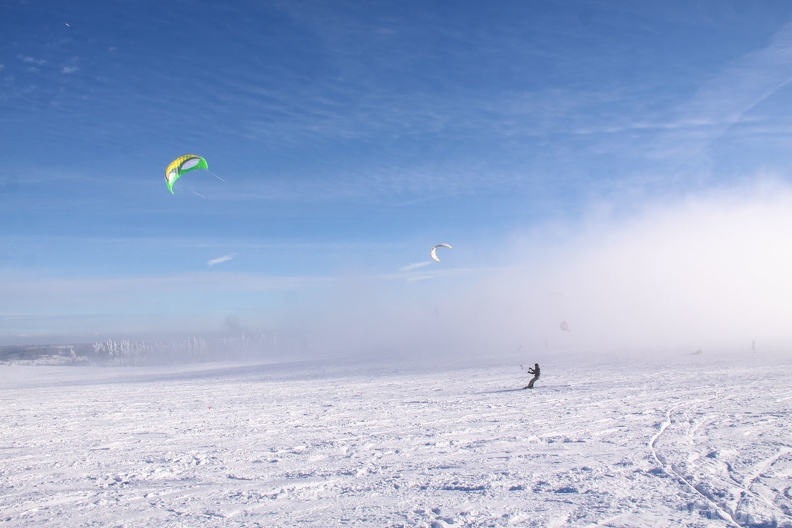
[{"x": 328, "y": 443}]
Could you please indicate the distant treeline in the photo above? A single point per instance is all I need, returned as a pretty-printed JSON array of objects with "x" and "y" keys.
[
  {"x": 190, "y": 350},
  {"x": 125, "y": 352}
]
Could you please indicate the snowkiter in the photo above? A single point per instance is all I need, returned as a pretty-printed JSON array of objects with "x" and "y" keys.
[{"x": 535, "y": 372}]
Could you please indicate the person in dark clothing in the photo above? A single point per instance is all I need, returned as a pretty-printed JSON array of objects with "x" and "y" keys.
[{"x": 535, "y": 372}]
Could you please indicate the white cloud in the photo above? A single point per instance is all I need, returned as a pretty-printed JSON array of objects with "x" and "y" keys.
[
  {"x": 33, "y": 60},
  {"x": 708, "y": 272},
  {"x": 220, "y": 260},
  {"x": 417, "y": 265},
  {"x": 69, "y": 69}
]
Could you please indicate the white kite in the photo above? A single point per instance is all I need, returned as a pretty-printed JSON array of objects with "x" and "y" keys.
[{"x": 433, "y": 253}]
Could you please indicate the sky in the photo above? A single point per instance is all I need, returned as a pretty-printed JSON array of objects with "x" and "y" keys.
[{"x": 620, "y": 166}]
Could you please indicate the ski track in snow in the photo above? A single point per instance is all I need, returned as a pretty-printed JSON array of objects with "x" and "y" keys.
[{"x": 322, "y": 444}]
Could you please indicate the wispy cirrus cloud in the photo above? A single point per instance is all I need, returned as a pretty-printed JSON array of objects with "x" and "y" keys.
[
  {"x": 725, "y": 99},
  {"x": 220, "y": 260},
  {"x": 33, "y": 60},
  {"x": 415, "y": 266}
]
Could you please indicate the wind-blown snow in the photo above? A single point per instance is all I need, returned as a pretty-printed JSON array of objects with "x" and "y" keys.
[{"x": 329, "y": 444}]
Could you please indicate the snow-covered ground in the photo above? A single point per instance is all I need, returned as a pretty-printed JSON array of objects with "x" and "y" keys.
[{"x": 331, "y": 444}]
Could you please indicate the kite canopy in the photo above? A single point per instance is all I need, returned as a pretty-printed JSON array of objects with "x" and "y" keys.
[
  {"x": 181, "y": 165},
  {"x": 433, "y": 253}
]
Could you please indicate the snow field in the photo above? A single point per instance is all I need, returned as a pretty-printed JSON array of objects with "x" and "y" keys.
[{"x": 317, "y": 444}]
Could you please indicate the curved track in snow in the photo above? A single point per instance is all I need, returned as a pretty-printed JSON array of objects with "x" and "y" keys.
[{"x": 724, "y": 515}]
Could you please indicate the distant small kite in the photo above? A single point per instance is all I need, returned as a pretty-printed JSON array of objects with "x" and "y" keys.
[{"x": 433, "y": 253}]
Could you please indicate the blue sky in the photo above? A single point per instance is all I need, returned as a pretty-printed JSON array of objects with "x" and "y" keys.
[{"x": 345, "y": 139}]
